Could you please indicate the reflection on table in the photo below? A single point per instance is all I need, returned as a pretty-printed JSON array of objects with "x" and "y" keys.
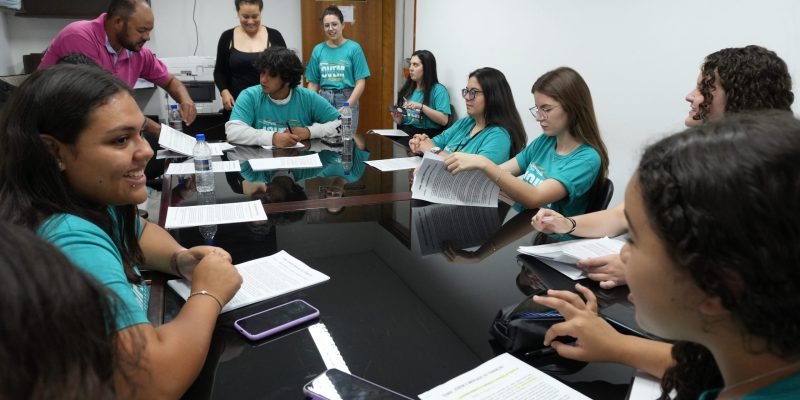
[{"x": 411, "y": 295}]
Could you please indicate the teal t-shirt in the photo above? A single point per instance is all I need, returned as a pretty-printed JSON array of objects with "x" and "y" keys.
[
  {"x": 577, "y": 171},
  {"x": 331, "y": 166},
  {"x": 439, "y": 101},
  {"x": 304, "y": 108},
  {"x": 93, "y": 251},
  {"x": 493, "y": 142},
  {"x": 784, "y": 389},
  {"x": 337, "y": 67}
]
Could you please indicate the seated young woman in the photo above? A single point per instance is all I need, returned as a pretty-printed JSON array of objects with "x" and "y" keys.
[
  {"x": 560, "y": 167},
  {"x": 492, "y": 127},
  {"x": 756, "y": 78},
  {"x": 73, "y": 160},
  {"x": 426, "y": 98},
  {"x": 718, "y": 277}
]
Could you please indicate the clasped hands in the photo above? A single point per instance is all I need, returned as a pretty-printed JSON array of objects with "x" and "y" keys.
[{"x": 187, "y": 261}]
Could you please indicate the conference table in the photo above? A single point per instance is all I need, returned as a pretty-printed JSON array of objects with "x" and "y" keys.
[{"x": 413, "y": 288}]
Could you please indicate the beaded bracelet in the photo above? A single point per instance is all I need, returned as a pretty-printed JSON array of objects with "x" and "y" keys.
[{"x": 206, "y": 293}]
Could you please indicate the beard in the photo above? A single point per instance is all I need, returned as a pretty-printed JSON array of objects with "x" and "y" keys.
[{"x": 126, "y": 43}]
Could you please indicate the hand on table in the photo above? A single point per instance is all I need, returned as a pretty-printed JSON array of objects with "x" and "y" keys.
[
  {"x": 420, "y": 143},
  {"x": 597, "y": 340},
  {"x": 215, "y": 274},
  {"x": 549, "y": 221},
  {"x": 187, "y": 261},
  {"x": 608, "y": 270}
]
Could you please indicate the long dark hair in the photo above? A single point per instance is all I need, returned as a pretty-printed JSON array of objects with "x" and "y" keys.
[
  {"x": 687, "y": 182},
  {"x": 753, "y": 78},
  {"x": 55, "y": 324},
  {"x": 500, "y": 107},
  {"x": 429, "y": 78},
  {"x": 58, "y": 101},
  {"x": 567, "y": 87}
]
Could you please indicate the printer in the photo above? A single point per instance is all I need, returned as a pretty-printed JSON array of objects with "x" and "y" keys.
[{"x": 197, "y": 74}]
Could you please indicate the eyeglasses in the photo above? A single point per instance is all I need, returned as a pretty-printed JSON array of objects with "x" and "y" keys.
[
  {"x": 469, "y": 94},
  {"x": 540, "y": 113}
]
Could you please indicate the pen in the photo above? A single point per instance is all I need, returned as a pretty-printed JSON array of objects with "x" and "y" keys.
[
  {"x": 540, "y": 352},
  {"x": 290, "y": 127}
]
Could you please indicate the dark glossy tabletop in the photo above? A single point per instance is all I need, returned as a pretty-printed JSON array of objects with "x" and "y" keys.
[{"x": 400, "y": 312}]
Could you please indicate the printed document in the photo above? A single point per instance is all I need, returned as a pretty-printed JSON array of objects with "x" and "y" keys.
[
  {"x": 299, "y": 162},
  {"x": 435, "y": 184},
  {"x": 187, "y": 168},
  {"x": 503, "y": 378},
  {"x": 573, "y": 250},
  {"x": 389, "y": 132},
  {"x": 214, "y": 214},
  {"x": 297, "y": 145},
  {"x": 179, "y": 142},
  {"x": 263, "y": 279},
  {"x": 395, "y": 164}
]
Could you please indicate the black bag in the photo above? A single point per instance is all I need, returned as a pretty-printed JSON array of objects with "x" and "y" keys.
[{"x": 521, "y": 327}]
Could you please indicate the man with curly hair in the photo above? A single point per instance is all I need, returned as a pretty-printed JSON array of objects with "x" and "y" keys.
[{"x": 279, "y": 111}]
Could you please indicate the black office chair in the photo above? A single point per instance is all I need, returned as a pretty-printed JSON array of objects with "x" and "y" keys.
[
  {"x": 452, "y": 117},
  {"x": 600, "y": 197}
]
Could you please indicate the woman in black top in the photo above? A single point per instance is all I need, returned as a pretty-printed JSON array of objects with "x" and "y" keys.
[{"x": 237, "y": 50}]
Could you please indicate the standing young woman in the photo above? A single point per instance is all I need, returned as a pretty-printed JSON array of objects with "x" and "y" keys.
[
  {"x": 338, "y": 69},
  {"x": 72, "y": 161},
  {"x": 718, "y": 277},
  {"x": 560, "y": 167},
  {"x": 492, "y": 127},
  {"x": 427, "y": 99},
  {"x": 237, "y": 51}
]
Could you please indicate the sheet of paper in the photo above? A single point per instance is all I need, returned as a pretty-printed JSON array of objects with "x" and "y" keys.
[
  {"x": 389, "y": 132},
  {"x": 214, "y": 214},
  {"x": 299, "y": 162},
  {"x": 435, "y": 184},
  {"x": 218, "y": 147},
  {"x": 645, "y": 387},
  {"x": 187, "y": 168},
  {"x": 571, "y": 271},
  {"x": 263, "y": 279},
  {"x": 462, "y": 227},
  {"x": 574, "y": 250},
  {"x": 395, "y": 164},
  {"x": 297, "y": 145},
  {"x": 179, "y": 142},
  {"x": 503, "y": 378}
]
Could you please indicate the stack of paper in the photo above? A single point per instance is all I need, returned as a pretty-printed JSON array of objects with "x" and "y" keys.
[
  {"x": 395, "y": 164},
  {"x": 503, "y": 377},
  {"x": 187, "y": 168},
  {"x": 299, "y": 162},
  {"x": 263, "y": 279},
  {"x": 182, "y": 143},
  {"x": 214, "y": 214},
  {"x": 434, "y": 183},
  {"x": 562, "y": 256}
]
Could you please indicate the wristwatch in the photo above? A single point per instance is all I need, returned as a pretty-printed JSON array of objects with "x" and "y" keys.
[{"x": 435, "y": 149}]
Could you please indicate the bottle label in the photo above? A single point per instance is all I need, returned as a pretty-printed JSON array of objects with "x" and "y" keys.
[{"x": 202, "y": 165}]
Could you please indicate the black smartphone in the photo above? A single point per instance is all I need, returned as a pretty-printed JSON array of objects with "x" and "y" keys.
[
  {"x": 335, "y": 384},
  {"x": 276, "y": 319}
]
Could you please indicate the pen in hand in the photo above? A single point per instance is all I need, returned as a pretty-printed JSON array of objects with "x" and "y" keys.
[{"x": 288, "y": 126}]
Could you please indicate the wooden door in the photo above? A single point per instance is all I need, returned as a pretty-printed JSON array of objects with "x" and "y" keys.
[{"x": 373, "y": 28}]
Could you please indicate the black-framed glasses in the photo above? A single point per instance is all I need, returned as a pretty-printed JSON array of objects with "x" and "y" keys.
[
  {"x": 541, "y": 113},
  {"x": 469, "y": 94}
]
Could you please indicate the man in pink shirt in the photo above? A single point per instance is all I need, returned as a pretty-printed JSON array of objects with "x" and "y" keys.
[{"x": 115, "y": 41}]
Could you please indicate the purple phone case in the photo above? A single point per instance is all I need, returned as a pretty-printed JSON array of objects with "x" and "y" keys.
[
  {"x": 279, "y": 328},
  {"x": 316, "y": 396}
]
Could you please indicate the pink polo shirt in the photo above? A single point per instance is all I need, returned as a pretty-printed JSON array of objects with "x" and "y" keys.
[{"x": 90, "y": 39}]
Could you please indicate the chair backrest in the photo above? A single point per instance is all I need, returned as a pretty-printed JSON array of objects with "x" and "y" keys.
[
  {"x": 600, "y": 196},
  {"x": 452, "y": 117}
]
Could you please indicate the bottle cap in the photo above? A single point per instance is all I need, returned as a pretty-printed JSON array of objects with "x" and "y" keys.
[
  {"x": 346, "y": 104},
  {"x": 200, "y": 136},
  {"x": 173, "y": 106}
]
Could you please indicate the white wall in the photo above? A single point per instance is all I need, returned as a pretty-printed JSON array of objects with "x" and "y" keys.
[
  {"x": 639, "y": 58},
  {"x": 173, "y": 36}
]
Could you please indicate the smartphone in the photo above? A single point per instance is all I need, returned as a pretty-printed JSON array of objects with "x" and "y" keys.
[
  {"x": 276, "y": 319},
  {"x": 397, "y": 109},
  {"x": 335, "y": 384}
]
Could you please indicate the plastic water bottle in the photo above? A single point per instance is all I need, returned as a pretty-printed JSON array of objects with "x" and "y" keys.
[
  {"x": 207, "y": 231},
  {"x": 204, "y": 175},
  {"x": 347, "y": 155},
  {"x": 347, "y": 121},
  {"x": 174, "y": 117},
  {"x": 347, "y": 137}
]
